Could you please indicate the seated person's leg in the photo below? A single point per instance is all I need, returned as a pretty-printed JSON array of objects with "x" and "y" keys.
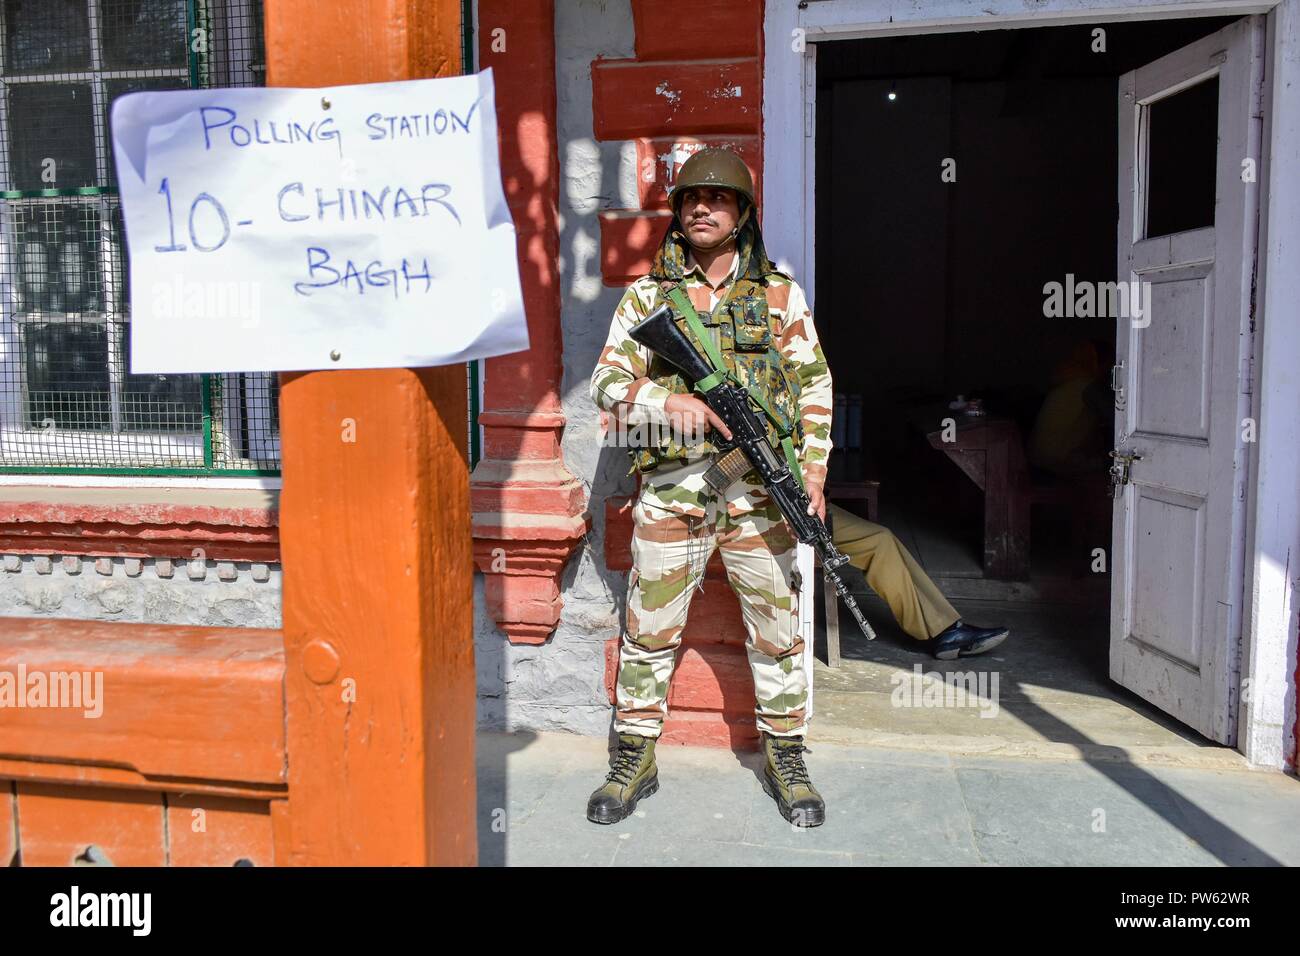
[
  {"x": 919, "y": 607},
  {"x": 916, "y": 602}
]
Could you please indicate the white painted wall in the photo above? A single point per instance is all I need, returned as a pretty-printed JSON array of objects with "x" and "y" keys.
[{"x": 1268, "y": 712}]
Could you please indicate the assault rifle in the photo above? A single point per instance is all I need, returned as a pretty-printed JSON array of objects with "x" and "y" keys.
[{"x": 660, "y": 333}]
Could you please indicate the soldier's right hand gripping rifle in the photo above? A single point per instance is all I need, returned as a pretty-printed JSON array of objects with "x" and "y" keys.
[{"x": 733, "y": 404}]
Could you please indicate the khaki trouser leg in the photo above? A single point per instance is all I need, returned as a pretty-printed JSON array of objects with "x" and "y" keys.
[{"x": 917, "y": 603}]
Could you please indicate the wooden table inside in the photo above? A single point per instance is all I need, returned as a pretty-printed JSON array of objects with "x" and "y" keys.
[{"x": 990, "y": 452}]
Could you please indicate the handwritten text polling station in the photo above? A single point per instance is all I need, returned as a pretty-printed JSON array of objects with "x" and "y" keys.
[{"x": 369, "y": 221}]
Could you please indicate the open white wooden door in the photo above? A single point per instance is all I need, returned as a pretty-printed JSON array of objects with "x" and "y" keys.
[{"x": 1189, "y": 134}]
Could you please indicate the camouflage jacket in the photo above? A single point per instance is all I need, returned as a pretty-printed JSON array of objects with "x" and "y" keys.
[{"x": 627, "y": 382}]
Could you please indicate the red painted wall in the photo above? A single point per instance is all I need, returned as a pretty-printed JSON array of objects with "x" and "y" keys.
[{"x": 687, "y": 87}]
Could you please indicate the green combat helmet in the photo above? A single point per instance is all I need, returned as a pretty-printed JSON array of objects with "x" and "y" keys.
[
  {"x": 785, "y": 780},
  {"x": 714, "y": 166},
  {"x": 632, "y": 775}
]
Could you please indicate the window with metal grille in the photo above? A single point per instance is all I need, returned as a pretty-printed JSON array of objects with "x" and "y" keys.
[{"x": 68, "y": 402}]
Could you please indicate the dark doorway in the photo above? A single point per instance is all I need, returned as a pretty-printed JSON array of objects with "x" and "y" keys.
[{"x": 958, "y": 175}]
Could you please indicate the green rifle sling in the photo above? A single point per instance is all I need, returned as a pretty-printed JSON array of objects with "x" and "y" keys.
[{"x": 679, "y": 299}]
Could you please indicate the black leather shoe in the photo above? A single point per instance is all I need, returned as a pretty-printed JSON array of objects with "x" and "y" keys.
[{"x": 963, "y": 640}]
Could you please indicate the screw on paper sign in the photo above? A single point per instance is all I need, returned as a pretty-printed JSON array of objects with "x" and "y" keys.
[{"x": 370, "y": 220}]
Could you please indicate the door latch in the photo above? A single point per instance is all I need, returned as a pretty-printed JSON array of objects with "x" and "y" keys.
[
  {"x": 1119, "y": 470},
  {"x": 1117, "y": 384}
]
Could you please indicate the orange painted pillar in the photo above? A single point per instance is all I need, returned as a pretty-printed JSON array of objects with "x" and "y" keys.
[{"x": 378, "y": 594}]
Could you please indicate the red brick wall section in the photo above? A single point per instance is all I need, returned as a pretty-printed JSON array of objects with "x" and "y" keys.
[
  {"x": 517, "y": 42},
  {"x": 529, "y": 511},
  {"x": 133, "y": 531},
  {"x": 674, "y": 97}
]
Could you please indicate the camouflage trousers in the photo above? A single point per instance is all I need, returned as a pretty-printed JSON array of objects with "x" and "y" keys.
[{"x": 679, "y": 521}]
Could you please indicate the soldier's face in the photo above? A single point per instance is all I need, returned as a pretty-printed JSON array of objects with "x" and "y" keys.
[{"x": 708, "y": 215}]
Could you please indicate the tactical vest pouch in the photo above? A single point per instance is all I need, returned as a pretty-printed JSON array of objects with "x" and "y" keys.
[
  {"x": 749, "y": 319},
  {"x": 752, "y": 338},
  {"x": 784, "y": 430}
]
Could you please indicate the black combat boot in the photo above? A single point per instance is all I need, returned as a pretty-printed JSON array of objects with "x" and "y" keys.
[
  {"x": 632, "y": 775},
  {"x": 785, "y": 779}
]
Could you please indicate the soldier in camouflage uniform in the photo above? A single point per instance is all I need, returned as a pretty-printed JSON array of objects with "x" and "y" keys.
[{"x": 761, "y": 325}]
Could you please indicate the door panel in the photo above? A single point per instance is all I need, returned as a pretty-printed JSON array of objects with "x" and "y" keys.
[
  {"x": 1166, "y": 605},
  {"x": 1179, "y": 540},
  {"x": 1169, "y": 355}
]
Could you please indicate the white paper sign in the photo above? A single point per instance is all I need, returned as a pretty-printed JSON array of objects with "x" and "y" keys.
[{"x": 345, "y": 227}]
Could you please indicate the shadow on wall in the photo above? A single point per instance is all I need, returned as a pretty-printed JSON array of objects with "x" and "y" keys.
[{"x": 588, "y": 307}]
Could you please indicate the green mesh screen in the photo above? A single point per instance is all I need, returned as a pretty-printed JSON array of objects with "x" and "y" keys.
[{"x": 67, "y": 399}]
